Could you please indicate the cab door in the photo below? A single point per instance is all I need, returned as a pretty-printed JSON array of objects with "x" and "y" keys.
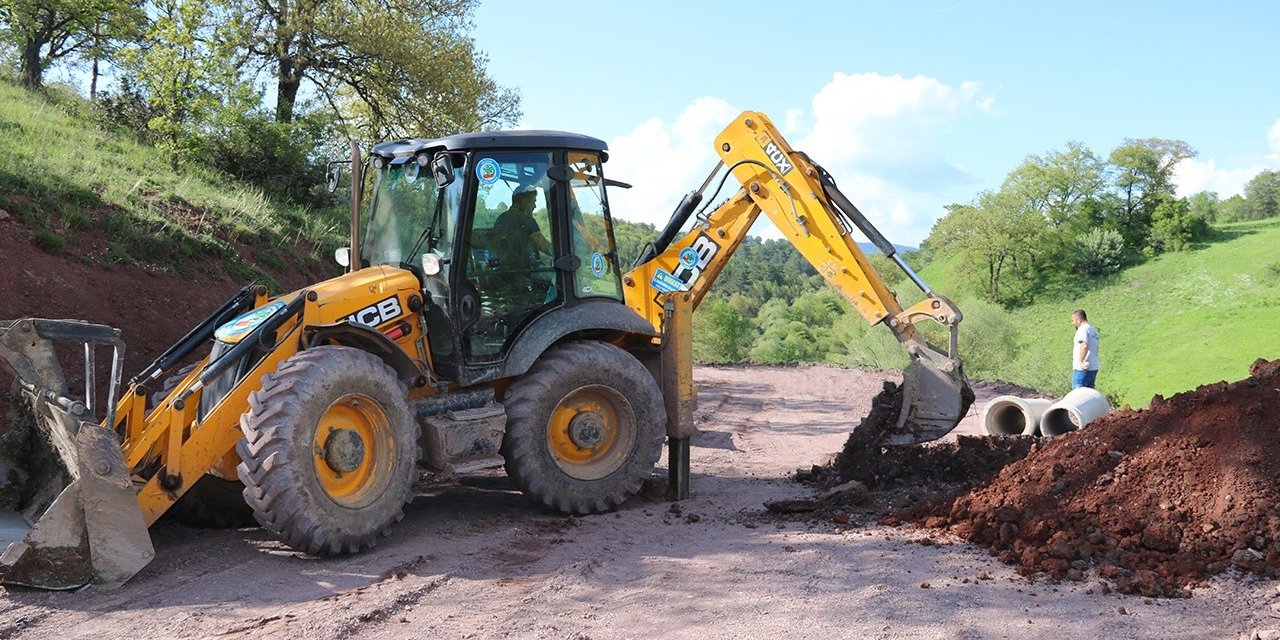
[{"x": 506, "y": 273}]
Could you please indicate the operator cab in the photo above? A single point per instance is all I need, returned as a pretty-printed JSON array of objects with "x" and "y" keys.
[{"x": 502, "y": 228}]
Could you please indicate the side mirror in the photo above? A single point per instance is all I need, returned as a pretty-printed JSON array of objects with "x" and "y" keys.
[
  {"x": 430, "y": 264},
  {"x": 442, "y": 168},
  {"x": 334, "y": 176},
  {"x": 342, "y": 255}
]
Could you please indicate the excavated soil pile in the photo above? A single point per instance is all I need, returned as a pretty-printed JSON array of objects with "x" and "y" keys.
[
  {"x": 967, "y": 459},
  {"x": 1155, "y": 500}
]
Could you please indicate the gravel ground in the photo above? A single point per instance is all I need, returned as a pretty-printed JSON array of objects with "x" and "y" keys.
[{"x": 473, "y": 560}]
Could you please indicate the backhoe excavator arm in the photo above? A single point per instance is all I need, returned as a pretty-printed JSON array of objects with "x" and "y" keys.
[{"x": 804, "y": 203}]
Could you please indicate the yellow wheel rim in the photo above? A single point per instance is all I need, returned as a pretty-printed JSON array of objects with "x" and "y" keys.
[
  {"x": 353, "y": 450},
  {"x": 591, "y": 432}
]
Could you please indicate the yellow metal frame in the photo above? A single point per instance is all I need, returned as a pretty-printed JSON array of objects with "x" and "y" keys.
[
  {"x": 785, "y": 187},
  {"x": 168, "y": 450}
]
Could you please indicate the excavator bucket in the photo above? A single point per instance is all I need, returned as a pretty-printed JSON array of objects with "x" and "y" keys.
[
  {"x": 68, "y": 511},
  {"x": 934, "y": 399}
]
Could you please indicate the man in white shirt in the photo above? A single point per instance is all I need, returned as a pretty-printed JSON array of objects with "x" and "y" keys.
[{"x": 1084, "y": 354}]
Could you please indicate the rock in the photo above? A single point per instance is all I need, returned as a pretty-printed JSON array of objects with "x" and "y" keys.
[
  {"x": 1115, "y": 455},
  {"x": 692, "y": 518},
  {"x": 1162, "y": 536},
  {"x": 1008, "y": 513},
  {"x": 795, "y": 505},
  {"x": 1103, "y": 479},
  {"x": 1245, "y": 556},
  {"x": 851, "y": 492},
  {"x": 1122, "y": 611},
  {"x": 840, "y": 518},
  {"x": 924, "y": 585}
]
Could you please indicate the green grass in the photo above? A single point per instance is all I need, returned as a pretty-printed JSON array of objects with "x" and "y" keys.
[
  {"x": 1168, "y": 325},
  {"x": 62, "y": 173}
]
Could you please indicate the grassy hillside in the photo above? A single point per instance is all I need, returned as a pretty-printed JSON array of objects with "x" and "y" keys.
[
  {"x": 1178, "y": 321},
  {"x": 96, "y": 194}
]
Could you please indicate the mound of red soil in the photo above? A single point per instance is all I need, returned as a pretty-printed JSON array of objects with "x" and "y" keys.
[{"x": 1155, "y": 500}]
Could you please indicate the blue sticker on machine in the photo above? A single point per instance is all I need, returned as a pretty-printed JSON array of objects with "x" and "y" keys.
[
  {"x": 597, "y": 264},
  {"x": 488, "y": 171},
  {"x": 665, "y": 282},
  {"x": 238, "y": 328},
  {"x": 688, "y": 257}
]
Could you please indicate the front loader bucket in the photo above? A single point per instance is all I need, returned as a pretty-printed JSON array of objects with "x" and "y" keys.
[{"x": 68, "y": 511}]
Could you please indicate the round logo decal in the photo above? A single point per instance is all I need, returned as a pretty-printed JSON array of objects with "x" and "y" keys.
[
  {"x": 688, "y": 257},
  {"x": 597, "y": 264},
  {"x": 487, "y": 170}
]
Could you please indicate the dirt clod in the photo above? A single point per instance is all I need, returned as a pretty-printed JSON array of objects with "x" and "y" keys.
[{"x": 1191, "y": 493}]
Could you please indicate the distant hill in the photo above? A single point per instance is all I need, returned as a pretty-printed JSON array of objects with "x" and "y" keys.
[{"x": 867, "y": 247}]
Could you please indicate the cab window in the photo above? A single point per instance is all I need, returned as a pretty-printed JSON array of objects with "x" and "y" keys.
[{"x": 591, "y": 230}]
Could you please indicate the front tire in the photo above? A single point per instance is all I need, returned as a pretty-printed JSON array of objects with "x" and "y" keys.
[
  {"x": 585, "y": 427},
  {"x": 329, "y": 450}
]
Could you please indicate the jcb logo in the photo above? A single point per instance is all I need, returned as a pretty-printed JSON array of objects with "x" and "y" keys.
[
  {"x": 376, "y": 314},
  {"x": 699, "y": 255},
  {"x": 776, "y": 155}
]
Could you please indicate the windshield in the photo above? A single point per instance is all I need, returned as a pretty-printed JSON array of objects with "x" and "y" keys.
[{"x": 404, "y": 201}]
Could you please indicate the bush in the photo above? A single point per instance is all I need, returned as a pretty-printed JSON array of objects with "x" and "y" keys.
[
  {"x": 720, "y": 333},
  {"x": 1174, "y": 227},
  {"x": 279, "y": 157},
  {"x": 50, "y": 241},
  {"x": 988, "y": 340},
  {"x": 1099, "y": 252}
]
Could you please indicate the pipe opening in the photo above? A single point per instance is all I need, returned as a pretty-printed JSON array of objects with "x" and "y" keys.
[
  {"x": 1058, "y": 421},
  {"x": 1009, "y": 420}
]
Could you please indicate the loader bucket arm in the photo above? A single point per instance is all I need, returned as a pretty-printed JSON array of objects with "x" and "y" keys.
[
  {"x": 68, "y": 511},
  {"x": 804, "y": 203}
]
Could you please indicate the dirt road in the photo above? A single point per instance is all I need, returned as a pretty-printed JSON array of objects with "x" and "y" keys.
[{"x": 474, "y": 560}]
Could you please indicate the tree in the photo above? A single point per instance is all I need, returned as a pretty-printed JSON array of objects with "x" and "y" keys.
[
  {"x": 1003, "y": 240},
  {"x": 386, "y": 66},
  {"x": 47, "y": 31},
  {"x": 1062, "y": 185},
  {"x": 1204, "y": 205},
  {"x": 1143, "y": 175},
  {"x": 1174, "y": 227},
  {"x": 183, "y": 70},
  {"x": 1262, "y": 195}
]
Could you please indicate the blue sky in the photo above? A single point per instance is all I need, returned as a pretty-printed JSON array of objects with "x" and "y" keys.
[{"x": 910, "y": 105}]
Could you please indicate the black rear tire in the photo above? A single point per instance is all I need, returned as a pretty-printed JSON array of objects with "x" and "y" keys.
[
  {"x": 585, "y": 427},
  {"x": 213, "y": 502},
  {"x": 339, "y": 497}
]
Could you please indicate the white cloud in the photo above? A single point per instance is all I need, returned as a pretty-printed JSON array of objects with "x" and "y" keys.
[
  {"x": 871, "y": 131},
  {"x": 665, "y": 160},
  {"x": 1196, "y": 175}
]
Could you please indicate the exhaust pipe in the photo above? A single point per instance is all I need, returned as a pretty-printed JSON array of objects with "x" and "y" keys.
[
  {"x": 1074, "y": 411},
  {"x": 1013, "y": 416}
]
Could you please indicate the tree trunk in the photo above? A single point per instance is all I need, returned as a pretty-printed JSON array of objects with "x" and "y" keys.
[
  {"x": 29, "y": 69},
  {"x": 287, "y": 83},
  {"x": 97, "y": 54}
]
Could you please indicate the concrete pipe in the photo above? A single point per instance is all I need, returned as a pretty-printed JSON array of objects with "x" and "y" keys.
[
  {"x": 1013, "y": 416},
  {"x": 1075, "y": 410}
]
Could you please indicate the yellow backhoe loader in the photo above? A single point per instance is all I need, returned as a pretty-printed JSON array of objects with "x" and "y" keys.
[{"x": 483, "y": 321}]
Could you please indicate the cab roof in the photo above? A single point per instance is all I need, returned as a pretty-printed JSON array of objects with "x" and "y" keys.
[{"x": 524, "y": 139}]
